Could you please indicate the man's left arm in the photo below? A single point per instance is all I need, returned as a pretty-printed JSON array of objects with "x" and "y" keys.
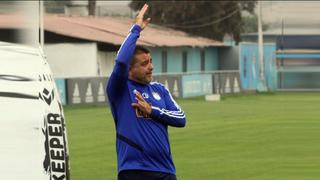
[{"x": 173, "y": 115}]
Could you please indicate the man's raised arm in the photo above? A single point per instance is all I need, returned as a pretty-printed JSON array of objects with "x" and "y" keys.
[{"x": 119, "y": 74}]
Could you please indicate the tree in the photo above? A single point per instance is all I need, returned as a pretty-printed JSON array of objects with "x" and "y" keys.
[
  {"x": 250, "y": 24},
  {"x": 212, "y": 19}
]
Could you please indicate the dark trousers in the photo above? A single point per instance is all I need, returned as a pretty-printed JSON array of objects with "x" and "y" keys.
[{"x": 145, "y": 175}]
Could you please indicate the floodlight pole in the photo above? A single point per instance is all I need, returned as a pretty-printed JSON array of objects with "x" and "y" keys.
[{"x": 262, "y": 85}]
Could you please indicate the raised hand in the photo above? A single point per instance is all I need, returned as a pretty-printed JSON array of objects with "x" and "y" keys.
[
  {"x": 142, "y": 104},
  {"x": 140, "y": 17}
]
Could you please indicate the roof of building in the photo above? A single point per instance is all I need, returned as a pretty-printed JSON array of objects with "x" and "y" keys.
[{"x": 111, "y": 30}]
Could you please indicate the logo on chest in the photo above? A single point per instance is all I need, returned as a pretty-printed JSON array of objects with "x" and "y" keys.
[
  {"x": 156, "y": 96},
  {"x": 145, "y": 95}
]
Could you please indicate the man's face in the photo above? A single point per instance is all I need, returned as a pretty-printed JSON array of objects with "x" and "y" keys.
[{"x": 141, "y": 69}]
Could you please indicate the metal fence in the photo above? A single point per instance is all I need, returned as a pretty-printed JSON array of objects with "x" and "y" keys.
[
  {"x": 181, "y": 85},
  {"x": 86, "y": 90}
]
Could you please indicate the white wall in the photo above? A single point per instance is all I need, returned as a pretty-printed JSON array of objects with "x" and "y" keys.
[
  {"x": 292, "y": 11},
  {"x": 113, "y": 8},
  {"x": 72, "y": 59},
  {"x": 106, "y": 62}
]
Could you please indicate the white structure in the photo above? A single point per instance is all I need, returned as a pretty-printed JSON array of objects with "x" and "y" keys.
[
  {"x": 34, "y": 142},
  {"x": 213, "y": 97},
  {"x": 301, "y": 16},
  {"x": 69, "y": 60}
]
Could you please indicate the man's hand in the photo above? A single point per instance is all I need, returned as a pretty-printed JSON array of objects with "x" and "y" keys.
[
  {"x": 139, "y": 19},
  {"x": 142, "y": 104}
]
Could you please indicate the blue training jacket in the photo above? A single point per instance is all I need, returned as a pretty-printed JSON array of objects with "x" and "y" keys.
[{"x": 142, "y": 142}]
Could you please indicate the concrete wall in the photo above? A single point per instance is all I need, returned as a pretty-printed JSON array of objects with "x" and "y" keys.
[
  {"x": 194, "y": 59},
  {"x": 91, "y": 90},
  {"x": 106, "y": 62},
  {"x": 69, "y": 60},
  {"x": 292, "y": 12},
  {"x": 212, "y": 59},
  {"x": 72, "y": 59},
  {"x": 300, "y": 80},
  {"x": 229, "y": 58},
  {"x": 174, "y": 59},
  {"x": 250, "y": 66},
  {"x": 114, "y": 8},
  {"x": 156, "y": 59},
  {"x": 254, "y": 38}
]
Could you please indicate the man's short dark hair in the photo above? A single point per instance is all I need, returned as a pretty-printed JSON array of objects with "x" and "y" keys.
[
  {"x": 141, "y": 49},
  {"x": 138, "y": 50}
]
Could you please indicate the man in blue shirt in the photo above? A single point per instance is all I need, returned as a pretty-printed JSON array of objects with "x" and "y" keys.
[{"x": 142, "y": 111}]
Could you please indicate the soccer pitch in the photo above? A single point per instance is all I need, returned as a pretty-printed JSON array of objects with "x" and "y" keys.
[{"x": 249, "y": 137}]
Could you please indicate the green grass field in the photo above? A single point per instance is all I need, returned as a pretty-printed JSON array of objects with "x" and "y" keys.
[{"x": 250, "y": 137}]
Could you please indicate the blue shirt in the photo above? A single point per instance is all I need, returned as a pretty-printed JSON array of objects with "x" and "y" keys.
[{"x": 142, "y": 141}]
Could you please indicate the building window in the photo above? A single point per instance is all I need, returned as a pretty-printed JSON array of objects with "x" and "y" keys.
[
  {"x": 164, "y": 62},
  {"x": 184, "y": 61},
  {"x": 203, "y": 60}
]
